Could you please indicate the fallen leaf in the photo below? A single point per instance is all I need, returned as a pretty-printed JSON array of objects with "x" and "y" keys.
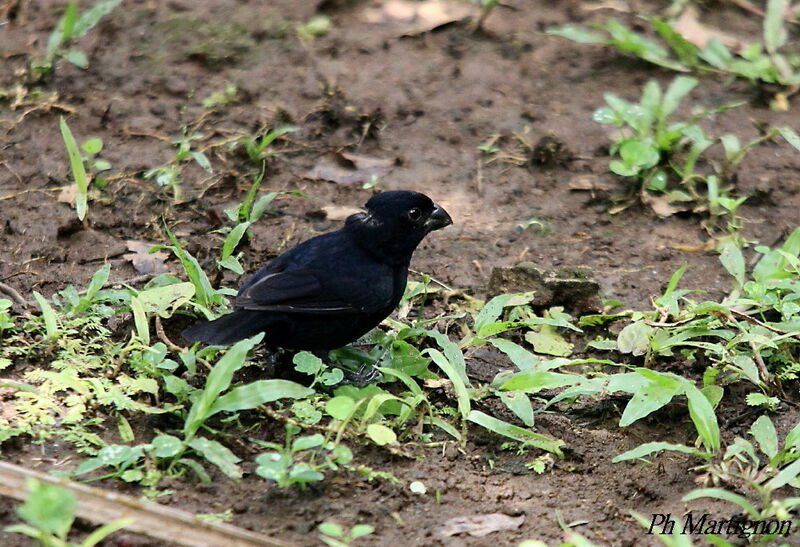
[
  {"x": 67, "y": 194},
  {"x": 143, "y": 261},
  {"x": 690, "y": 27},
  {"x": 588, "y": 183},
  {"x": 480, "y": 525},
  {"x": 701, "y": 247},
  {"x": 339, "y": 212},
  {"x": 663, "y": 205},
  {"x": 165, "y": 300},
  {"x": 410, "y": 18},
  {"x": 350, "y": 168}
]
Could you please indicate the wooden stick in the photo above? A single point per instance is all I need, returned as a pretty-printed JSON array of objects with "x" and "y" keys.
[{"x": 158, "y": 521}]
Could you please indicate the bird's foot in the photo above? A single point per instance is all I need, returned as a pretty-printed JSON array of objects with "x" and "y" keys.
[{"x": 366, "y": 374}]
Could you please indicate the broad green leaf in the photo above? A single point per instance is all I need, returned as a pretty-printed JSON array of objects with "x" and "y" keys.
[
  {"x": 166, "y": 446},
  {"x": 48, "y": 507},
  {"x": 635, "y": 338},
  {"x": 763, "y": 431},
  {"x": 650, "y": 397},
  {"x": 522, "y": 358},
  {"x": 716, "y": 54},
  {"x": 381, "y": 435},
  {"x": 257, "y": 393},
  {"x": 92, "y": 146},
  {"x": 549, "y": 342},
  {"x": 92, "y": 16},
  {"x": 534, "y": 381},
  {"x": 462, "y": 395},
  {"x": 775, "y": 34},
  {"x": 683, "y": 49},
  {"x": 375, "y": 403},
  {"x": 791, "y": 136},
  {"x": 517, "y": 433},
  {"x": 648, "y": 448},
  {"x": 307, "y": 442},
  {"x": 218, "y": 380},
  {"x": 48, "y": 314},
  {"x": 453, "y": 354},
  {"x": 164, "y": 300},
  {"x": 726, "y": 495},
  {"x": 206, "y": 295},
  {"x": 733, "y": 260},
  {"x": 219, "y": 455},
  {"x": 577, "y": 34},
  {"x": 233, "y": 239},
  {"x": 99, "y": 534},
  {"x": 703, "y": 416},
  {"x": 491, "y": 311},
  {"x": 307, "y": 363},
  {"x": 519, "y": 404},
  {"x": 63, "y": 30},
  {"x": 140, "y": 321},
  {"x": 340, "y": 407},
  {"x": 76, "y": 57},
  {"x": 676, "y": 91},
  {"x": 792, "y": 438},
  {"x": 786, "y": 475}
]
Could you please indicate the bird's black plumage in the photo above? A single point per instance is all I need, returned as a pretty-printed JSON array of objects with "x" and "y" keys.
[{"x": 333, "y": 288}]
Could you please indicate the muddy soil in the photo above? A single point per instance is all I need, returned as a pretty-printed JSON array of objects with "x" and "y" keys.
[{"x": 425, "y": 102}]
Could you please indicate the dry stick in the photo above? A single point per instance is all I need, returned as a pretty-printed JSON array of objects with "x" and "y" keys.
[
  {"x": 14, "y": 295},
  {"x": 767, "y": 326},
  {"x": 152, "y": 519}
]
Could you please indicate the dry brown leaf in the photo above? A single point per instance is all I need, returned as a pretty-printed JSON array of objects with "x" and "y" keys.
[
  {"x": 588, "y": 183},
  {"x": 663, "y": 206},
  {"x": 480, "y": 525},
  {"x": 410, "y": 18},
  {"x": 690, "y": 27},
  {"x": 143, "y": 261},
  {"x": 348, "y": 168},
  {"x": 67, "y": 194}
]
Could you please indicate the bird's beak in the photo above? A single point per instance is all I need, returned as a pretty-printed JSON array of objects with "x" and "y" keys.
[{"x": 438, "y": 219}]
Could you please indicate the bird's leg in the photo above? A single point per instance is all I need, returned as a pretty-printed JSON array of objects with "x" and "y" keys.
[{"x": 365, "y": 374}]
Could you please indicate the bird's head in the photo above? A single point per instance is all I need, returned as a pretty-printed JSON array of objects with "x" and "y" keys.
[{"x": 395, "y": 222}]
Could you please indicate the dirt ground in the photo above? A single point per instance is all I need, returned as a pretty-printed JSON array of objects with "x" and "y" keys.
[{"x": 425, "y": 101}]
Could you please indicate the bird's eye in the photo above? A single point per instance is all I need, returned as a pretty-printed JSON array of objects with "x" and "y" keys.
[{"x": 414, "y": 214}]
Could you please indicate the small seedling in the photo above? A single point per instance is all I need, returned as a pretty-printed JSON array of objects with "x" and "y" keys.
[
  {"x": 285, "y": 465},
  {"x": 49, "y": 512},
  {"x": 759, "y": 62},
  {"x": 335, "y": 535},
  {"x": 168, "y": 175},
  {"x": 316, "y": 26},
  {"x": 71, "y": 25},
  {"x": 257, "y": 149}
]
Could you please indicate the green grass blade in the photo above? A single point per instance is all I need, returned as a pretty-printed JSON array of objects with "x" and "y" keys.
[
  {"x": 722, "y": 494},
  {"x": 92, "y": 16},
  {"x": 77, "y": 168},
  {"x": 48, "y": 314},
  {"x": 256, "y": 393},
  {"x": 462, "y": 395},
  {"x": 648, "y": 448},
  {"x": 517, "y": 433}
]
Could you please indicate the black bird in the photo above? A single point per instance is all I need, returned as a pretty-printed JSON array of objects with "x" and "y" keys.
[{"x": 333, "y": 288}]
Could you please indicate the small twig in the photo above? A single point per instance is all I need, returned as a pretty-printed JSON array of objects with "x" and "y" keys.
[
  {"x": 163, "y": 337},
  {"x": 14, "y": 295},
  {"x": 131, "y": 281},
  {"x": 767, "y": 326},
  {"x": 274, "y": 414}
]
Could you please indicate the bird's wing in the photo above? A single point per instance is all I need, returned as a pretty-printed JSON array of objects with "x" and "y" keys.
[{"x": 298, "y": 290}]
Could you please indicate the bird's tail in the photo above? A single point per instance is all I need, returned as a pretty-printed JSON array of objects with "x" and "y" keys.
[{"x": 227, "y": 329}]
